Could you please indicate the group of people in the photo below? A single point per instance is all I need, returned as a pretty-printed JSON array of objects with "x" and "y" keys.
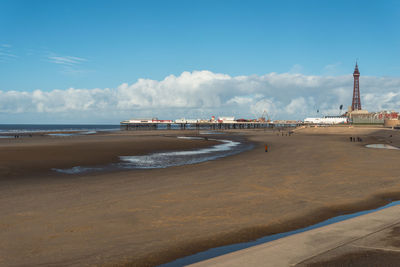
[
  {"x": 355, "y": 139},
  {"x": 18, "y": 136},
  {"x": 286, "y": 134}
]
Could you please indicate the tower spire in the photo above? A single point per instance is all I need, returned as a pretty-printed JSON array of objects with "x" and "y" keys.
[{"x": 356, "y": 103}]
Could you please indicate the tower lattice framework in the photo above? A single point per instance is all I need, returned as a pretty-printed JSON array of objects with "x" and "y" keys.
[{"x": 356, "y": 104}]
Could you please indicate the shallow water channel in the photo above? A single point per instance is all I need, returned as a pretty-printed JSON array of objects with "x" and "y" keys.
[
  {"x": 170, "y": 158},
  {"x": 382, "y": 146},
  {"x": 214, "y": 252}
]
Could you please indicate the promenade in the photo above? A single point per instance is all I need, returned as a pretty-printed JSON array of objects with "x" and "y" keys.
[{"x": 368, "y": 240}]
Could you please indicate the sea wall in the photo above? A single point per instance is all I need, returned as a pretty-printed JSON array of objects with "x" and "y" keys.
[{"x": 391, "y": 123}]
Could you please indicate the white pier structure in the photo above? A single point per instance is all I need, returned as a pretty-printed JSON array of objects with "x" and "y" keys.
[{"x": 222, "y": 123}]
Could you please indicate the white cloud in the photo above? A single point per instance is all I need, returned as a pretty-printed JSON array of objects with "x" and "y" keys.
[
  {"x": 296, "y": 68},
  {"x": 297, "y": 106},
  {"x": 202, "y": 94},
  {"x": 6, "y": 53},
  {"x": 243, "y": 100},
  {"x": 332, "y": 69},
  {"x": 269, "y": 105},
  {"x": 66, "y": 60}
]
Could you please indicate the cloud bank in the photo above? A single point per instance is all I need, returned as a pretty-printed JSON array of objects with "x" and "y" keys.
[{"x": 200, "y": 94}]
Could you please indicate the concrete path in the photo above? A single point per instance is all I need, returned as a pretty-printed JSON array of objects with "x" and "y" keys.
[{"x": 378, "y": 232}]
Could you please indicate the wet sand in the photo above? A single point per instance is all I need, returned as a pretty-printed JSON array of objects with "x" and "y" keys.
[
  {"x": 148, "y": 217},
  {"x": 37, "y": 155}
]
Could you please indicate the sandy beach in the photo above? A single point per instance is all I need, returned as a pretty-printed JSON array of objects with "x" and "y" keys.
[
  {"x": 149, "y": 217},
  {"x": 37, "y": 155}
]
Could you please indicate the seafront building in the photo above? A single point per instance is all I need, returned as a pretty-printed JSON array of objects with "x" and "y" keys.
[
  {"x": 327, "y": 120},
  {"x": 357, "y": 115}
]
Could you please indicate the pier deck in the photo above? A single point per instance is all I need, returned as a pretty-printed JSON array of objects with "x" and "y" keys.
[{"x": 203, "y": 125}]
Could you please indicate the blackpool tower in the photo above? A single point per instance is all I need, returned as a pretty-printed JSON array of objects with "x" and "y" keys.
[{"x": 356, "y": 104}]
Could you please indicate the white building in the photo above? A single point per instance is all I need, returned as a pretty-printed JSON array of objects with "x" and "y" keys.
[
  {"x": 138, "y": 121},
  {"x": 326, "y": 120},
  {"x": 187, "y": 120},
  {"x": 227, "y": 119}
]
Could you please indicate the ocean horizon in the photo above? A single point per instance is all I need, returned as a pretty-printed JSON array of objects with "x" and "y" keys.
[{"x": 29, "y": 128}]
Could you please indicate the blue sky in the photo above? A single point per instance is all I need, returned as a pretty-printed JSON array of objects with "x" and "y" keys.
[{"x": 50, "y": 45}]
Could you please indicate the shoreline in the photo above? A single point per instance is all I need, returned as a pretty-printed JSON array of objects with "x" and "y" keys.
[
  {"x": 144, "y": 218},
  {"x": 40, "y": 154}
]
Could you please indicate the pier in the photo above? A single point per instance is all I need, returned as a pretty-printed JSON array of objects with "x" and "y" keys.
[{"x": 204, "y": 125}]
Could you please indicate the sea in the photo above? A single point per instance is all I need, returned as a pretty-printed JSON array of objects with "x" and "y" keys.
[{"x": 32, "y": 128}]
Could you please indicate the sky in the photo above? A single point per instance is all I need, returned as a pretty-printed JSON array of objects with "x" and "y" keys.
[{"x": 106, "y": 61}]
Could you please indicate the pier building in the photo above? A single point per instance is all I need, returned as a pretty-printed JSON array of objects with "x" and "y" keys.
[{"x": 222, "y": 123}]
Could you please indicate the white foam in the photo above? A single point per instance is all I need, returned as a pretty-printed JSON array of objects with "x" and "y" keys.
[
  {"x": 139, "y": 159},
  {"x": 166, "y": 159},
  {"x": 210, "y": 132},
  {"x": 175, "y": 158},
  {"x": 61, "y": 134},
  {"x": 190, "y": 137},
  {"x": 89, "y": 132},
  {"x": 227, "y": 145}
]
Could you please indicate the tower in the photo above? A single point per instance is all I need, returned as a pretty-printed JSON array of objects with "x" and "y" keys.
[{"x": 356, "y": 104}]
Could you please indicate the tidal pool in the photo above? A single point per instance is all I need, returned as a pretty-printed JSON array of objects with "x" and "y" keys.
[{"x": 382, "y": 146}]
